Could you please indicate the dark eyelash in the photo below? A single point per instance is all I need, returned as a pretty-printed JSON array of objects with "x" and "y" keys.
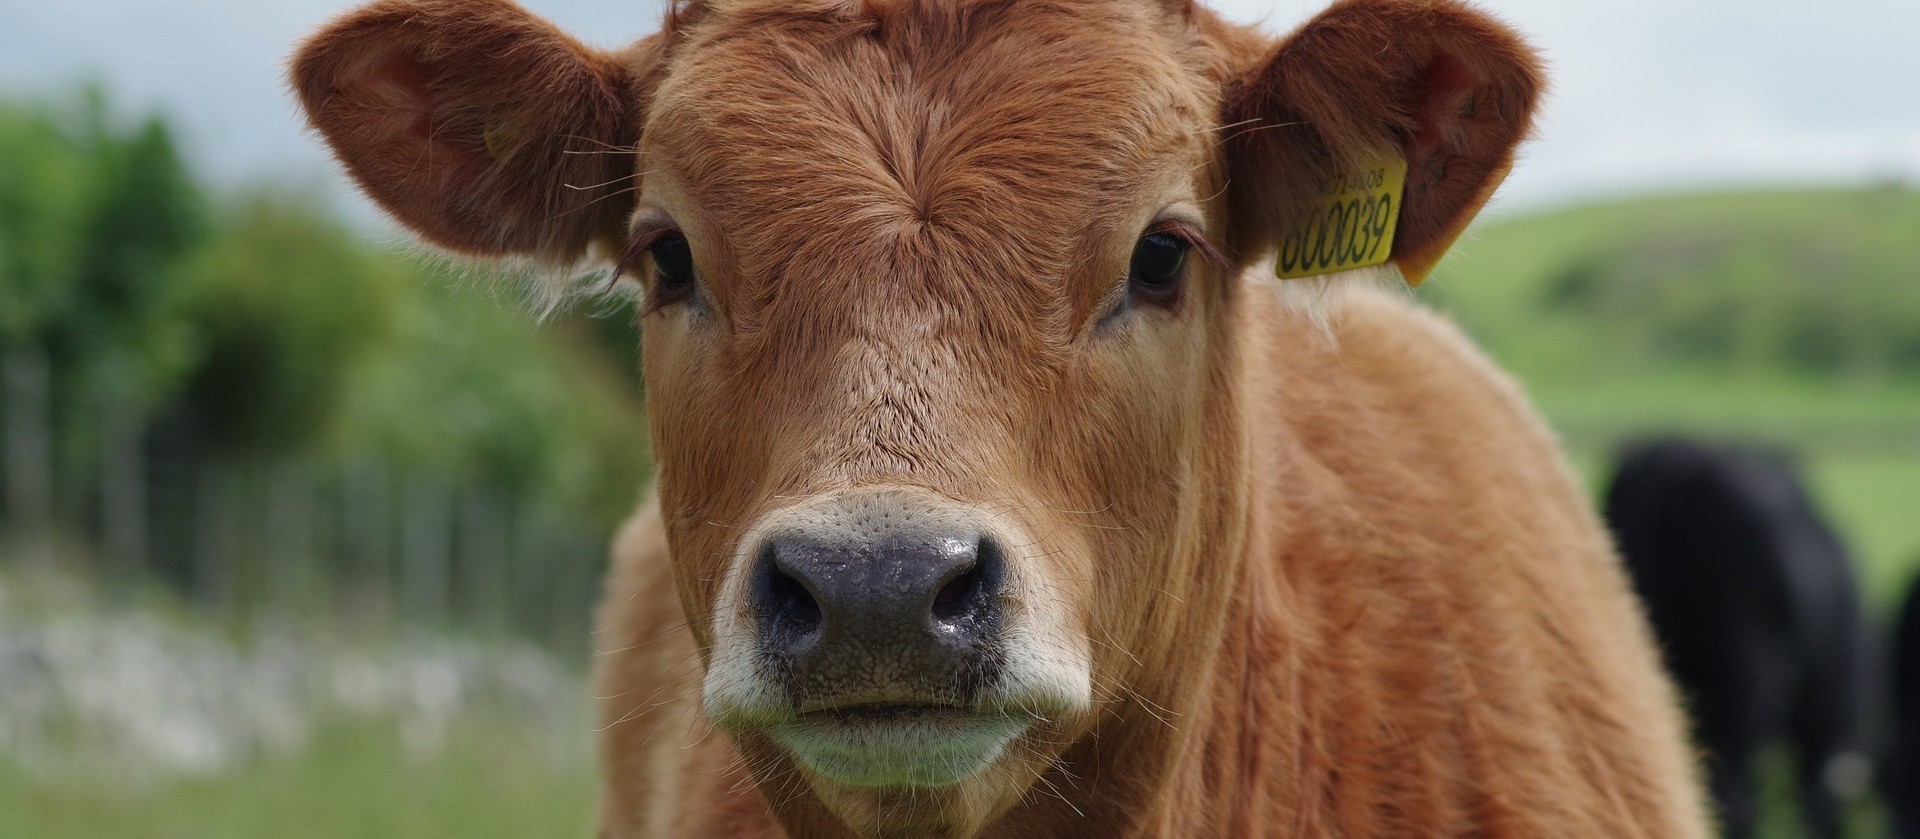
[
  {"x": 1198, "y": 243},
  {"x": 637, "y": 247}
]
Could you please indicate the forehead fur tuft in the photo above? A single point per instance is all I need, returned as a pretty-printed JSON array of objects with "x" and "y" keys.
[{"x": 993, "y": 138}]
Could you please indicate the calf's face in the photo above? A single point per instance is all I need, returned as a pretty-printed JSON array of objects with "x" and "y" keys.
[
  {"x": 940, "y": 317},
  {"x": 927, "y": 343}
]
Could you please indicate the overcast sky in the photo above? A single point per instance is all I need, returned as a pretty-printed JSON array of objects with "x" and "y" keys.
[{"x": 1647, "y": 94}]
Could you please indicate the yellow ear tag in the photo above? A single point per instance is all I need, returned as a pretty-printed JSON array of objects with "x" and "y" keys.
[{"x": 1351, "y": 226}]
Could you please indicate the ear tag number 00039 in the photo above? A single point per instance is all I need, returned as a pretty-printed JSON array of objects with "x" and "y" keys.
[{"x": 1351, "y": 226}]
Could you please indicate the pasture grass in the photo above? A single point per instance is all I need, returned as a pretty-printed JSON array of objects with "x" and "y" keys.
[
  {"x": 491, "y": 780},
  {"x": 1874, "y": 501}
]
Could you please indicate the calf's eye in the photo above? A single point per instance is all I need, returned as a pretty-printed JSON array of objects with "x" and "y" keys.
[
  {"x": 672, "y": 268},
  {"x": 1158, "y": 265}
]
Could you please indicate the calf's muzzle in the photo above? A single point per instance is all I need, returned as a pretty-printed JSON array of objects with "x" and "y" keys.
[{"x": 891, "y": 612}]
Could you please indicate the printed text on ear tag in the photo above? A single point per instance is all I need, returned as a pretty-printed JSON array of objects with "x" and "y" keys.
[{"x": 1351, "y": 226}]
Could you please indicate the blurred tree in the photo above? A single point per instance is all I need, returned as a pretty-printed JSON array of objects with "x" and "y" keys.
[
  {"x": 45, "y": 184},
  {"x": 265, "y": 328},
  {"x": 477, "y": 388},
  {"x": 285, "y": 304},
  {"x": 93, "y": 218}
]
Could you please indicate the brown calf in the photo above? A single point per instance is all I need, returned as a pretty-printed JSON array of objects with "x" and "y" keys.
[{"x": 999, "y": 492}]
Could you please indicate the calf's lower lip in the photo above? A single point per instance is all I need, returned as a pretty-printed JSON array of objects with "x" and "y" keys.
[{"x": 898, "y": 746}]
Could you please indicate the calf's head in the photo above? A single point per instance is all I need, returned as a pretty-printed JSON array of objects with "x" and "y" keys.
[{"x": 941, "y": 310}]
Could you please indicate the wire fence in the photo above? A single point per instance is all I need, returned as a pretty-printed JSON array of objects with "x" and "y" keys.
[{"x": 136, "y": 499}]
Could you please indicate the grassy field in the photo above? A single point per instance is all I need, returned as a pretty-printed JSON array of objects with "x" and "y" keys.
[
  {"x": 1875, "y": 501},
  {"x": 491, "y": 781}
]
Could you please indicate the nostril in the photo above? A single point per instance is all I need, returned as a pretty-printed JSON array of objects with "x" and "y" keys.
[
  {"x": 954, "y": 598},
  {"x": 789, "y": 614},
  {"x": 971, "y": 592},
  {"x": 793, "y": 603}
]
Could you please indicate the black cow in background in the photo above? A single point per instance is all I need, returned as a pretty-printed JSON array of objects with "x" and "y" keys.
[
  {"x": 1900, "y": 778},
  {"x": 1755, "y": 605}
]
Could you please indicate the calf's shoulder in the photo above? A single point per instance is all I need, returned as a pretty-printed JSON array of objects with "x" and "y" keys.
[{"x": 1447, "y": 590}]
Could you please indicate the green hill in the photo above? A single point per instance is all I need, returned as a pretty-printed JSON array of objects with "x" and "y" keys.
[{"x": 1513, "y": 258}]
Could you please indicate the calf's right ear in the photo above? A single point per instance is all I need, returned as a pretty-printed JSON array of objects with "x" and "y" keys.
[{"x": 478, "y": 125}]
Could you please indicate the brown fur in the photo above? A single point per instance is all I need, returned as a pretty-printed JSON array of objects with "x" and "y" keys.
[{"x": 1337, "y": 582}]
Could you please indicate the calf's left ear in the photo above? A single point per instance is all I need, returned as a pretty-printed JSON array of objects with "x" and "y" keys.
[
  {"x": 478, "y": 125},
  {"x": 1434, "y": 83}
]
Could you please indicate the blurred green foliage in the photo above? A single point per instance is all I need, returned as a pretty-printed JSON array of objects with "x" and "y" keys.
[
  {"x": 275, "y": 332},
  {"x": 286, "y": 307},
  {"x": 94, "y": 218},
  {"x": 473, "y": 386}
]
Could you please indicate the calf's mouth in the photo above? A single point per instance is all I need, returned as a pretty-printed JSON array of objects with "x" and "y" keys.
[{"x": 898, "y": 745}]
